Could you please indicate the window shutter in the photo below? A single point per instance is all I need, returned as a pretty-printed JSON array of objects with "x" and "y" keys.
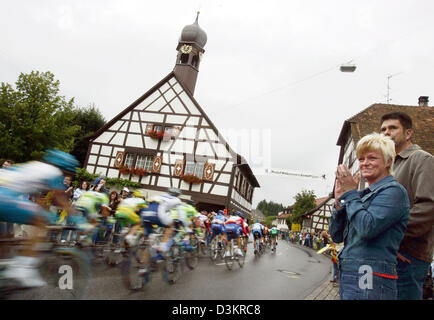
[
  {"x": 119, "y": 159},
  {"x": 149, "y": 127},
  {"x": 208, "y": 171},
  {"x": 156, "y": 165},
  {"x": 179, "y": 167}
]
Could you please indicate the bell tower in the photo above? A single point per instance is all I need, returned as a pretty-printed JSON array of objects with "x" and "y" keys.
[{"x": 190, "y": 50}]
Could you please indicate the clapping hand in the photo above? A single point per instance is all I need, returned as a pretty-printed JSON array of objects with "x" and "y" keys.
[{"x": 344, "y": 182}]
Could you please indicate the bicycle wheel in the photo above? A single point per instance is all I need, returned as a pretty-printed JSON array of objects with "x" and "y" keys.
[
  {"x": 172, "y": 269},
  {"x": 229, "y": 260},
  {"x": 135, "y": 272},
  {"x": 67, "y": 272},
  {"x": 192, "y": 255},
  {"x": 223, "y": 249},
  {"x": 242, "y": 259},
  {"x": 214, "y": 249}
]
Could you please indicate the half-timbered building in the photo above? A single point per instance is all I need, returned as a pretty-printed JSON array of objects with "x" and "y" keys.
[
  {"x": 318, "y": 219},
  {"x": 165, "y": 139}
]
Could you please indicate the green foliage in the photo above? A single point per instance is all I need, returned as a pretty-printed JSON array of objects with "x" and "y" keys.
[
  {"x": 269, "y": 208},
  {"x": 90, "y": 120},
  {"x": 304, "y": 202},
  {"x": 83, "y": 175},
  {"x": 34, "y": 117},
  {"x": 269, "y": 220}
]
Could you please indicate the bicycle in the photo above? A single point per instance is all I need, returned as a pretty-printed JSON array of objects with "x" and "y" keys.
[
  {"x": 179, "y": 253},
  {"x": 232, "y": 258},
  {"x": 217, "y": 248},
  {"x": 56, "y": 259},
  {"x": 140, "y": 260}
]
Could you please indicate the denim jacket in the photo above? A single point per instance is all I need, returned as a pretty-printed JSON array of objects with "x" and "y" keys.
[{"x": 372, "y": 223}]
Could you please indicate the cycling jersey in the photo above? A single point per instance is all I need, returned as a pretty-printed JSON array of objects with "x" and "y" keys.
[
  {"x": 238, "y": 221},
  {"x": 128, "y": 209},
  {"x": 158, "y": 211},
  {"x": 90, "y": 203},
  {"x": 20, "y": 180},
  {"x": 274, "y": 232}
]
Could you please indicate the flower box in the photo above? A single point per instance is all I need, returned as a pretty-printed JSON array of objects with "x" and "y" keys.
[
  {"x": 191, "y": 178},
  {"x": 156, "y": 134},
  {"x": 137, "y": 171}
]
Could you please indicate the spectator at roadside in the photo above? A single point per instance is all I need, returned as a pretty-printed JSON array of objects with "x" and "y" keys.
[
  {"x": 334, "y": 255},
  {"x": 125, "y": 193},
  {"x": 414, "y": 169},
  {"x": 114, "y": 201},
  {"x": 371, "y": 221},
  {"x": 101, "y": 187},
  {"x": 84, "y": 186},
  {"x": 69, "y": 189}
]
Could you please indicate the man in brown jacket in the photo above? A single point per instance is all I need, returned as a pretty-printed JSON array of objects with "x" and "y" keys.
[{"x": 414, "y": 169}]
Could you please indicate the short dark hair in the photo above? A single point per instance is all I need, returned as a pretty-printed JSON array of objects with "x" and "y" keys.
[{"x": 403, "y": 118}]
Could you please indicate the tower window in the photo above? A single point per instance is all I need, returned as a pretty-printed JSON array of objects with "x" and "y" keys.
[
  {"x": 195, "y": 61},
  {"x": 184, "y": 58}
]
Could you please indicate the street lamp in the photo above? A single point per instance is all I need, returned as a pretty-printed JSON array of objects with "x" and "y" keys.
[{"x": 348, "y": 67}]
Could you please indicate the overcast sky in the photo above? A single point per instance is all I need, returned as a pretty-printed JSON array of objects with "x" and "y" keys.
[{"x": 270, "y": 68}]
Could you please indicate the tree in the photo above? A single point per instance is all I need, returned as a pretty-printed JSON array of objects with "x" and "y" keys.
[
  {"x": 90, "y": 120},
  {"x": 269, "y": 208},
  {"x": 304, "y": 202},
  {"x": 34, "y": 117}
]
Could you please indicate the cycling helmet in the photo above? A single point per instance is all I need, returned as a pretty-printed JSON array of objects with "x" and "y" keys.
[
  {"x": 61, "y": 159},
  {"x": 174, "y": 192},
  {"x": 239, "y": 214},
  {"x": 139, "y": 193},
  {"x": 221, "y": 212}
]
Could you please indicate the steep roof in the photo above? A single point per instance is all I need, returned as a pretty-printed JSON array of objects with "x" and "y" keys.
[
  {"x": 240, "y": 160},
  {"x": 368, "y": 121}
]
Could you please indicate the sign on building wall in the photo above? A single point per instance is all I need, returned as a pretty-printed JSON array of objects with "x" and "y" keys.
[{"x": 296, "y": 227}]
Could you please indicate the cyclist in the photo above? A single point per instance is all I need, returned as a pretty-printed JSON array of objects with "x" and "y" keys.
[
  {"x": 158, "y": 212},
  {"x": 128, "y": 211},
  {"x": 204, "y": 224},
  {"x": 17, "y": 182},
  {"x": 245, "y": 235},
  {"x": 274, "y": 232},
  {"x": 218, "y": 226},
  {"x": 257, "y": 230},
  {"x": 234, "y": 226}
]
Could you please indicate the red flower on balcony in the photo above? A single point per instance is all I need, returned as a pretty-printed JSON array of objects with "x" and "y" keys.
[
  {"x": 137, "y": 171},
  {"x": 156, "y": 134},
  {"x": 191, "y": 178}
]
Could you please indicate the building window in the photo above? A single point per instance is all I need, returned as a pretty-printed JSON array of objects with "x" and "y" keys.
[
  {"x": 145, "y": 162},
  {"x": 195, "y": 168},
  {"x": 129, "y": 160},
  {"x": 184, "y": 58},
  {"x": 195, "y": 61}
]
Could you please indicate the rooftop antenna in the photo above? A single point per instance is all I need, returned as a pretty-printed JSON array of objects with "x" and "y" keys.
[{"x": 388, "y": 86}]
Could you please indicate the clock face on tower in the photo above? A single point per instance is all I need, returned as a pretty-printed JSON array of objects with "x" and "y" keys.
[{"x": 186, "y": 48}]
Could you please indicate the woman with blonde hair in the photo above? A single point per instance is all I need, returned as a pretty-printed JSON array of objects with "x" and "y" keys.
[{"x": 371, "y": 222}]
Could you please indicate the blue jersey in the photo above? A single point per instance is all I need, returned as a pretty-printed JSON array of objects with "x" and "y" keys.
[
  {"x": 31, "y": 177},
  {"x": 219, "y": 219}
]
